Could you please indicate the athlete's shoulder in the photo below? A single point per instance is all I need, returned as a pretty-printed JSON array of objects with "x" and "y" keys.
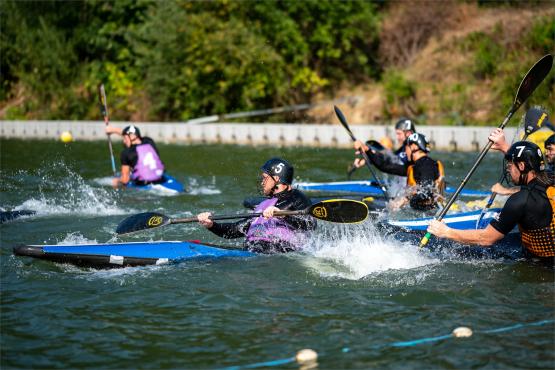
[
  {"x": 296, "y": 193},
  {"x": 517, "y": 200},
  {"x": 147, "y": 140},
  {"x": 294, "y": 197}
]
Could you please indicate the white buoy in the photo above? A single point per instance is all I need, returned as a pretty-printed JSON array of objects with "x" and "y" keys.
[
  {"x": 66, "y": 137},
  {"x": 306, "y": 356},
  {"x": 462, "y": 332}
]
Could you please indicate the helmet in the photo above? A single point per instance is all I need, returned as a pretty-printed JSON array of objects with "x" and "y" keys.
[
  {"x": 550, "y": 141},
  {"x": 527, "y": 152},
  {"x": 280, "y": 168},
  {"x": 131, "y": 130},
  {"x": 418, "y": 139},
  {"x": 536, "y": 117},
  {"x": 405, "y": 124}
]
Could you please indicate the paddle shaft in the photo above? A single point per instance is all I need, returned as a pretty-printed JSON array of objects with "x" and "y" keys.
[
  {"x": 239, "y": 215},
  {"x": 104, "y": 109},
  {"x": 364, "y": 155}
]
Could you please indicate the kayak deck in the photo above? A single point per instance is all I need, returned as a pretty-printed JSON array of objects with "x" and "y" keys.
[
  {"x": 170, "y": 185},
  {"x": 128, "y": 254},
  {"x": 462, "y": 221},
  {"x": 370, "y": 188}
]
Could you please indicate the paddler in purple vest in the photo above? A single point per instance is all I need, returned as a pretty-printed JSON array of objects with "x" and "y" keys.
[
  {"x": 269, "y": 234},
  {"x": 140, "y": 161}
]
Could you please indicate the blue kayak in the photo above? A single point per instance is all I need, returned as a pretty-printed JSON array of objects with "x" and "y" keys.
[
  {"x": 412, "y": 230},
  {"x": 461, "y": 221},
  {"x": 168, "y": 185},
  {"x": 128, "y": 254},
  {"x": 369, "y": 188}
]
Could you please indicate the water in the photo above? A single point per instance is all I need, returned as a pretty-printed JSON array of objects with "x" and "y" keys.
[{"x": 350, "y": 294}]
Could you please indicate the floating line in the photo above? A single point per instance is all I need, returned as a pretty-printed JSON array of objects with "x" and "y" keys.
[{"x": 410, "y": 343}]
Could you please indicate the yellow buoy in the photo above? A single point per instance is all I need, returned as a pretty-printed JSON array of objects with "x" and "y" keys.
[{"x": 66, "y": 137}]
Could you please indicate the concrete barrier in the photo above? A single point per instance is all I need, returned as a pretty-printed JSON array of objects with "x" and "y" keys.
[{"x": 451, "y": 138}]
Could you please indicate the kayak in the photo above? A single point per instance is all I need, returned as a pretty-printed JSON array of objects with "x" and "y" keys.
[
  {"x": 111, "y": 255},
  {"x": 461, "y": 221},
  {"x": 411, "y": 231},
  {"x": 369, "y": 188},
  {"x": 168, "y": 185}
]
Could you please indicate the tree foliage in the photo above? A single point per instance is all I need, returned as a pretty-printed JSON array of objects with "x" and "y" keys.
[
  {"x": 178, "y": 59},
  {"x": 173, "y": 60}
]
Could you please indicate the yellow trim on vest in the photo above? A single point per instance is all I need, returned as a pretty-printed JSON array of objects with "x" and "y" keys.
[{"x": 541, "y": 242}]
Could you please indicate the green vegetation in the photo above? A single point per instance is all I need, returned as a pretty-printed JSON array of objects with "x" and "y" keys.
[
  {"x": 176, "y": 60},
  {"x": 173, "y": 60}
]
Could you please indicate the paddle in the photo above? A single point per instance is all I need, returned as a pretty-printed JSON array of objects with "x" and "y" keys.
[
  {"x": 104, "y": 110},
  {"x": 533, "y": 78},
  {"x": 374, "y": 145},
  {"x": 333, "y": 210},
  {"x": 529, "y": 128},
  {"x": 364, "y": 155}
]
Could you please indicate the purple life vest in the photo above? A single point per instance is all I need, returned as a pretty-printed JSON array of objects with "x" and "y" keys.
[
  {"x": 149, "y": 167},
  {"x": 273, "y": 229}
]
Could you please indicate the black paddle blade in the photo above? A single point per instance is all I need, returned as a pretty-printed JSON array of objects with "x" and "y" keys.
[
  {"x": 343, "y": 121},
  {"x": 345, "y": 211},
  {"x": 142, "y": 221},
  {"x": 533, "y": 121},
  {"x": 533, "y": 78}
]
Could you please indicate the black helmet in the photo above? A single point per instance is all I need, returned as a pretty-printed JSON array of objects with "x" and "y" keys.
[
  {"x": 527, "y": 152},
  {"x": 550, "y": 141},
  {"x": 536, "y": 117},
  {"x": 405, "y": 124},
  {"x": 131, "y": 130},
  {"x": 280, "y": 168},
  {"x": 418, "y": 139}
]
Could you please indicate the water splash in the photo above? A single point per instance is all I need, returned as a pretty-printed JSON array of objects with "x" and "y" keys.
[
  {"x": 76, "y": 239},
  {"x": 63, "y": 191},
  {"x": 355, "y": 252},
  {"x": 197, "y": 187}
]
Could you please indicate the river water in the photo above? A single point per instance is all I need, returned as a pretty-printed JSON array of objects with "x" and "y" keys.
[{"x": 351, "y": 295}]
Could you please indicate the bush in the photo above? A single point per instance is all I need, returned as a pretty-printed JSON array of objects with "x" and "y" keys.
[{"x": 400, "y": 95}]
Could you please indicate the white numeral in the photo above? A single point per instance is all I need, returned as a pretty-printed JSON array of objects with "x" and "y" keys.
[{"x": 149, "y": 161}]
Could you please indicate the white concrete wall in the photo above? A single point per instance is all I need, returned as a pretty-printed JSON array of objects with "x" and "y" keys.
[{"x": 453, "y": 138}]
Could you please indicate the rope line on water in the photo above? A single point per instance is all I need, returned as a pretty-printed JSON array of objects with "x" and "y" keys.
[{"x": 307, "y": 356}]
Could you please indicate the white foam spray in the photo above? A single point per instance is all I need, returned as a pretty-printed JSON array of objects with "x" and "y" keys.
[
  {"x": 357, "y": 251},
  {"x": 63, "y": 191},
  {"x": 196, "y": 187}
]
